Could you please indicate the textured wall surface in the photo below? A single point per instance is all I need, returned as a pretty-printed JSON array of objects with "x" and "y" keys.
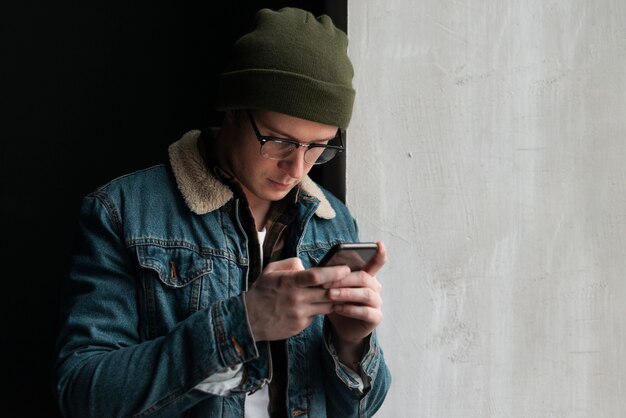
[{"x": 489, "y": 154}]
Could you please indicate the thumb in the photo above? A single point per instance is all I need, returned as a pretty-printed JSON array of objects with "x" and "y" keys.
[{"x": 378, "y": 261}]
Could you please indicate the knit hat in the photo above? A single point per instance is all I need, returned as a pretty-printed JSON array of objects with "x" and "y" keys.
[{"x": 293, "y": 63}]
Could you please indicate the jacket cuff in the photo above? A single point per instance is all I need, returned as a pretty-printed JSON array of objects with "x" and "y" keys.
[
  {"x": 236, "y": 343},
  {"x": 368, "y": 364}
]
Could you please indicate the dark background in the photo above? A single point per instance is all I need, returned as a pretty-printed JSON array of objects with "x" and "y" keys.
[{"x": 91, "y": 91}]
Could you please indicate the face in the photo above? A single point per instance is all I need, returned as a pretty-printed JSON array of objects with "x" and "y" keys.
[{"x": 262, "y": 179}]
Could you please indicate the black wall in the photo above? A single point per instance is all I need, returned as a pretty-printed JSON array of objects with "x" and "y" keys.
[{"x": 90, "y": 91}]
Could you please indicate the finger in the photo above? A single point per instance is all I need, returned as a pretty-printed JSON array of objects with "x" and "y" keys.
[
  {"x": 308, "y": 296},
  {"x": 367, "y": 314},
  {"x": 288, "y": 264},
  {"x": 378, "y": 261},
  {"x": 363, "y": 296},
  {"x": 357, "y": 279},
  {"x": 309, "y": 310},
  {"x": 319, "y": 276},
  {"x": 320, "y": 309}
]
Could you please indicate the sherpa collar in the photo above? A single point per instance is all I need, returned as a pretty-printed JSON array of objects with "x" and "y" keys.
[{"x": 204, "y": 193}]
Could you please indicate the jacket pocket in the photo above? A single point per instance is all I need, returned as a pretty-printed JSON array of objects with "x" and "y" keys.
[
  {"x": 174, "y": 280},
  {"x": 175, "y": 266}
]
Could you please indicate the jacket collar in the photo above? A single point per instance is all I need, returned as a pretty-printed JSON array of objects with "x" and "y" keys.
[{"x": 204, "y": 192}]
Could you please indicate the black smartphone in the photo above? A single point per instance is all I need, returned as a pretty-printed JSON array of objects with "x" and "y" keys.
[{"x": 352, "y": 254}]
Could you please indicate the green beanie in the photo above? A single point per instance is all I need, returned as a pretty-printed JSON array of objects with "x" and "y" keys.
[{"x": 293, "y": 63}]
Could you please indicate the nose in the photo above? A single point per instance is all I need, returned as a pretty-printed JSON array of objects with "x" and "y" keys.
[{"x": 295, "y": 166}]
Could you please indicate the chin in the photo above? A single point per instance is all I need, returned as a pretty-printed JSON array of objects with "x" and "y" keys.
[
  {"x": 279, "y": 194},
  {"x": 276, "y": 196}
]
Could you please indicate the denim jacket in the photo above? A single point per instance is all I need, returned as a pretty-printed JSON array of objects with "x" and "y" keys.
[{"x": 154, "y": 302}]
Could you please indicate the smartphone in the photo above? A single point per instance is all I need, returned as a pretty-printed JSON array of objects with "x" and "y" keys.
[{"x": 352, "y": 254}]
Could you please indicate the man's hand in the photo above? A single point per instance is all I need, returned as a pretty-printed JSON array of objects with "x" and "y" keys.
[
  {"x": 285, "y": 299},
  {"x": 357, "y": 307}
]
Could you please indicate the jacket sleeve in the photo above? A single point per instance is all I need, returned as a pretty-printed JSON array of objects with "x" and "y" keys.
[
  {"x": 103, "y": 368},
  {"x": 343, "y": 396}
]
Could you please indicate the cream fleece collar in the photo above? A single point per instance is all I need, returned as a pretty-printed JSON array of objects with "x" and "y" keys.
[{"x": 204, "y": 193}]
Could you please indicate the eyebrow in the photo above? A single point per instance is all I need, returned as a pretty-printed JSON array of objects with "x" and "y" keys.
[{"x": 285, "y": 135}]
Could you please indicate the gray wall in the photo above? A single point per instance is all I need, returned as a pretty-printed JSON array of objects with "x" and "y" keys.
[{"x": 489, "y": 151}]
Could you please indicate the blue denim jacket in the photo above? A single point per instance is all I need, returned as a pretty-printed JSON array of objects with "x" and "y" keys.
[{"x": 154, "y": 302}]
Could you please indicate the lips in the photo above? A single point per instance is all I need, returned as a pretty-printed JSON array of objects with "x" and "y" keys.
[{"x": 280, "y": 186}]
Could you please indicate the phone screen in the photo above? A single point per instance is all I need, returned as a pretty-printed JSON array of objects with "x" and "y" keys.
[{"x": 353, "y": 255}]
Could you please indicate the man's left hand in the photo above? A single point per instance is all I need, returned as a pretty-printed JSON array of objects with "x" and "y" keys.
[{"x": 357, "y": 310}]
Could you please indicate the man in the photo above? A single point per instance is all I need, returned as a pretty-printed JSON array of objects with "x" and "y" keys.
[{"x": 193, "y": 289}]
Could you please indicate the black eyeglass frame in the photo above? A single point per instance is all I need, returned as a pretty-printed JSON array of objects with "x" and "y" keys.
[{"x": 263, "y": 139}]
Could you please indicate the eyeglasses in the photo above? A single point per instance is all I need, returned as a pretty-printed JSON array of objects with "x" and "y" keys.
[{"x": 281, "y": 148}]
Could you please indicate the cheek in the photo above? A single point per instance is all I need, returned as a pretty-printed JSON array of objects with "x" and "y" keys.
[
  {"x": 264, "y": 167},
  {"x": 253, "y": 167},
  {"x": 245, "y": 156}
]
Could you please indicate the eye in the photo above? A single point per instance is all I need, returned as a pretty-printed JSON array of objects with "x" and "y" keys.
[{"x": 277, "y": 149}]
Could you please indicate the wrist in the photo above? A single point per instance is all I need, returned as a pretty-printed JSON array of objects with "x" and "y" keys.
[{"x": 349, "y": 352}]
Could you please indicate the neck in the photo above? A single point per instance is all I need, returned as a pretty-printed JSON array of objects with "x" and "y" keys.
[{"x": 259, "y": 208}]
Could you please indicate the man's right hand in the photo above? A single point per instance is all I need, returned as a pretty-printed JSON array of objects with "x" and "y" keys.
[{"x": 285, "y": 299}]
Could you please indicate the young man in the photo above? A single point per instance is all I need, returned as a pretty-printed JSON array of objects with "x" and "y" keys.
[{"x": 193, "y": 289}]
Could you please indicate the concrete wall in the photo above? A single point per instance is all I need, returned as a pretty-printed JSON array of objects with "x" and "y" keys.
[{"x": 488, "y": 151}]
